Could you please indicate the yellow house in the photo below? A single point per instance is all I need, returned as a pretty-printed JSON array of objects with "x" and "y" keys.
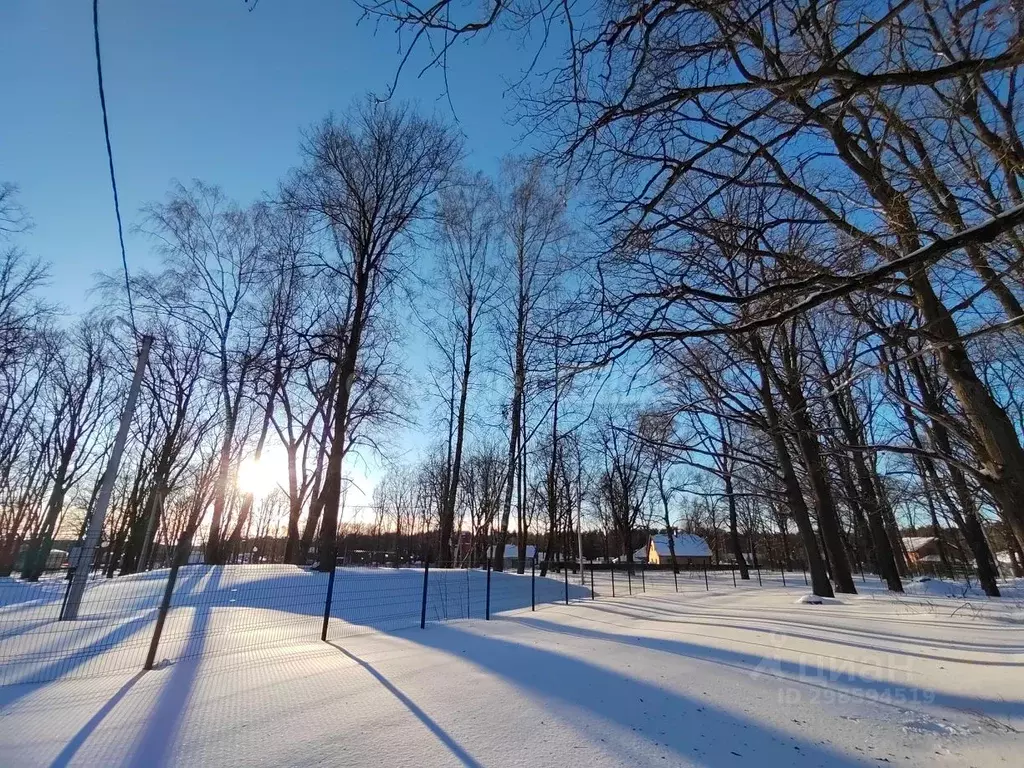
[{"x": 689, "y": 550}]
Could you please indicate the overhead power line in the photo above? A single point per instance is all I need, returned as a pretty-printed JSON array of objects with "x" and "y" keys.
[{"x": 110, "y": 160}]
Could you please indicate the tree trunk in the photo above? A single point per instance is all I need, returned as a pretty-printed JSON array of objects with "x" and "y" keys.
[
  {"x": 42, "y": 541},
  {"x": 448, "y": 516},
  {"x": 331, "y": 492},
  {"x": 734, "y": 534},
  {"x": 962, "y": 509},
  {"x": 810, "y": 451},
  {"x": 515, "y": 414},
  {"x": 794, "y": 495}
]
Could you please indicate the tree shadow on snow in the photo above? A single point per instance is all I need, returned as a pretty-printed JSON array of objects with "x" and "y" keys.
[
  {"x": 824, "y": 634},
  {"x": 154, "y": 746},
  {"x": 686, "y": 726},
  {"x": 804, "y": 672},
  {"x": 71, "y": 748},
  {"x": 675, "y": 616},
  {"x": 442, "y": 735}
]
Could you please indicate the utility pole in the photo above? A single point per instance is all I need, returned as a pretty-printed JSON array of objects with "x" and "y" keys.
[{"x": 92, "y": 536}]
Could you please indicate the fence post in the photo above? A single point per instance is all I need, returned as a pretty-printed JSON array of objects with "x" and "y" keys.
[
  {"x": 533, "y": 583},
  {"x": 565, "y": 571},
  {"x": 643, "y": 579},
  {"x": 629, "y": 578},
  {"x": 592, "y": 580},
  {"x": 732, "y": 569},
  {"x": 67, "y": 592},
  {"x": 423, "y": 605},
  {"x": 804, "y": 569},
  {"x": 329, "y": 601},
  {"x": 165, "y": 605},
  {"x": 487, "y": 602},
  {"x": 757, "y": 565},
  {"x": 707, "y": 587},
  {"x": 675, "y": 575},
  {"x": 783, "y": 576}
]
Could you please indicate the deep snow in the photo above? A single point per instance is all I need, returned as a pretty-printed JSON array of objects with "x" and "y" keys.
[{"x": 719, "y": 677}]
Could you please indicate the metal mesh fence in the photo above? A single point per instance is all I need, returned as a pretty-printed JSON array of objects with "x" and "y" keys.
[
  {"x": 214, "y": 610},
  {"x": 109, "y": 635}
]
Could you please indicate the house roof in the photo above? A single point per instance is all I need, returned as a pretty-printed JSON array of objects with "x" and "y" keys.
[
  {"x": 914, "y": 543},
  {"x": 512, "y": 551},
  {"x": 685, "y": 544}
]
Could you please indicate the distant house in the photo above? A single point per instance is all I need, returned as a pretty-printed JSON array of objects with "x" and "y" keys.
[
  {"x": 56, "y": 559},
  {"x": 921, "y": 549},
  {"x": 689, "y": 550},
  {"x": 511, "y": 556}
]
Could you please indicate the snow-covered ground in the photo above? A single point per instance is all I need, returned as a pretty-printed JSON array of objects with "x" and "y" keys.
[
  {"x": 705, "y": 677},
  {"x": 222, "y": 610}
]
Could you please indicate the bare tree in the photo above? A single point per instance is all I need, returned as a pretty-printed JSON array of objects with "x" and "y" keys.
[
  {"x": 533, "y": 216},
  {"x": 81, "y": 402},
  {"x": 625, "y": 481},
  {"x": 468, "y": 234},
  {"x": 368, "y": 179},
  {"x": 214, "y": 257}
]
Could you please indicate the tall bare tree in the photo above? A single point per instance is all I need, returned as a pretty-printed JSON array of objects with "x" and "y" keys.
[
  {"x": 533, "y": 213},
  {"x": 368, "y": 179},
  {"x": 467, "y": 235},
  {"x": 214, "y": 264}
]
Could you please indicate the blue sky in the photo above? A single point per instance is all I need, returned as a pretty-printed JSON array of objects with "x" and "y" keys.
[
  {"x": 198, "y": 89},
  {"x": 201, "y": 89}
]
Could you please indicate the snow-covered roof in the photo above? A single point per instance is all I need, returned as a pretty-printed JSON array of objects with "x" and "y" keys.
[
  {"x": 640, "y": 556},
  {"x": 914, "y": 543},
  {"x": 686, "y": 545},
  {"x": 512, "y": 551}
]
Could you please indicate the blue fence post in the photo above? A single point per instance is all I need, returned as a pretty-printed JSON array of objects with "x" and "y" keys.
[
  {"x": 487, "y": 602},
  {"x": 423, "y": 606},
  {"x": 533, "y": 583},
  {"x": 329, "y": 601}
]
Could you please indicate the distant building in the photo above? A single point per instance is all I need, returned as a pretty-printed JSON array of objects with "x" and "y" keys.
[
  {"x": 921, "y": 549},
  {"x": 689, "y": 550},
  {"x": 511, "y": 556}
]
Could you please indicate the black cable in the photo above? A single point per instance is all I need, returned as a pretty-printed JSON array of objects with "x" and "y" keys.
[{"x": 110, "y": 160}]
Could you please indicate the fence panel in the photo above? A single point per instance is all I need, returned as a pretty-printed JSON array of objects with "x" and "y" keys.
[
  {"x": 111, "y": 633},
  {"x": 216, "y": 610}
]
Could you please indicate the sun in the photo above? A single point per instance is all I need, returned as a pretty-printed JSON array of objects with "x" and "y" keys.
[{"x": 258, "y": 477}]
